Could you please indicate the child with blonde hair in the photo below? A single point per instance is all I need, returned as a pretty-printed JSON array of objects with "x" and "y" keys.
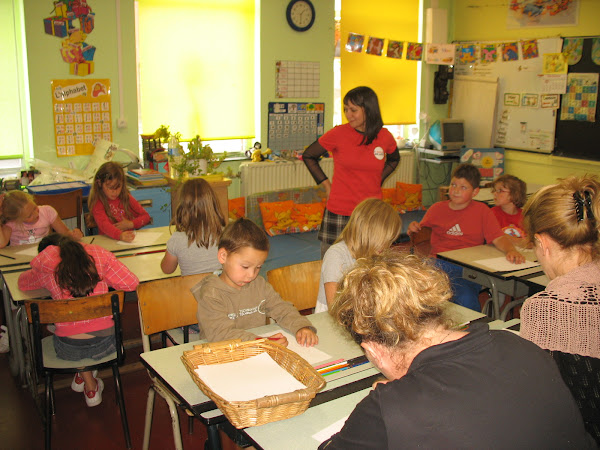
[
  {"x": 510, "y": 194},
  {"x": 116, "y": 213},
  {"x": 373, "y": 226},
  {"x": 24, "y": 222},
  {"x": 198, "y": 224}
]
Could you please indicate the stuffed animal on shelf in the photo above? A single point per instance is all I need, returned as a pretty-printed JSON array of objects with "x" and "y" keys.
[{"x": 258, "y": 155}]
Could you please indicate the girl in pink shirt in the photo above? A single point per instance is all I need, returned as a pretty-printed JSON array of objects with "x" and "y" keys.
[{"x": 116, "y": 213}]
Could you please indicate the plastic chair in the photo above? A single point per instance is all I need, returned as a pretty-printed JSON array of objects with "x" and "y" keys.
[
  {"x": 297, "y": 283},
  {"x": 41, "y": 312},
  {"x": 165, "y": 306},
  {"x": 420, "y": 242},
  {"x": 67, "y": 204}
]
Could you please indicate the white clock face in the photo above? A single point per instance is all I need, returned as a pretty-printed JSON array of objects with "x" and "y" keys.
[{"x": 301, "y": 14}]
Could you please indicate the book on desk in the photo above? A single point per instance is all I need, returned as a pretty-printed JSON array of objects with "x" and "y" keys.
[{"x": 146, "y": 177}]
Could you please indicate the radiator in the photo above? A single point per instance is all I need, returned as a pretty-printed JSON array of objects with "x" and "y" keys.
[{"x": 273, "y": 176}]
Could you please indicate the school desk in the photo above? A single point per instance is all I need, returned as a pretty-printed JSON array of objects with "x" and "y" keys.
[
  {"x": 506, "y": 282},
  {"x": 485, "y": 195},
  {"x": 166, "y": 364}
]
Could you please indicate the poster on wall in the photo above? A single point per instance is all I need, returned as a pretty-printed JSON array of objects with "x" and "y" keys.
[
  {"x": 546, "y": 13},
  {"x": 81, "y": 112}
]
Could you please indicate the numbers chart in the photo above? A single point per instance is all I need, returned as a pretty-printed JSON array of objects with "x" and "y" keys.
[
  {"x": 293, "y": 126},
  {"x": 81, "y": 111}
]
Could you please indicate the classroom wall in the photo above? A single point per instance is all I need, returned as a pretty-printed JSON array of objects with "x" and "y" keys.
[
  {"x": 486, "y": 20},
  {"x": 45, "y": 64}
]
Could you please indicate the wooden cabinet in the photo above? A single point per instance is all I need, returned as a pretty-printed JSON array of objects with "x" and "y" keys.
[{"x": 157, "y": 201}]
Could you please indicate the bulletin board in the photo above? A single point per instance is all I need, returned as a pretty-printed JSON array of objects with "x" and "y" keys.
[
  {"x": 581, "y": 138},
  {"x": 293, "y": 126},
  {"x": 527, "y": 126},
  {"x": 82, "y": 115}
]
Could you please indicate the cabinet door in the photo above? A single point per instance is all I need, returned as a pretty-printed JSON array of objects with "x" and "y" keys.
[{"x": 157, "y": 201}]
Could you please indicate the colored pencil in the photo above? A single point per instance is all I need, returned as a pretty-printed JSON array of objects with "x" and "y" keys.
[
  {"x": 329, "y": 364},
  {"x": 6, "y": 256}
]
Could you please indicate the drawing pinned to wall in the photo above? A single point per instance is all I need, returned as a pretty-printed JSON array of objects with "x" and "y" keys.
[
  {"x": 512, "y": 99},
  {"x": 530, "y": 100},
  {"x": 581, "y": 99},
  {"x": 440, "y": 54},
  {"x": 74, "y": 50},
  {"x": 489, "y": 53},
  {"x": 542, "y": 13},
  {"x": 554, "y": 63},
  {"x": 394, "y": 49},
  {"x": 355, "y": 42},
  {"x": 375, "y": 46},
  {"x": 550, "y": 101},
  {"x": 554, "y": 83},
  {"x": 530, "y": 49},
  {"x": 573, "y": 47},
  {"x": 510, "y": 51},
  {"x": 414, "y": 51},
  {"x": 465, "y": 54},
  {"x": 489, "y": 161},
  {"x": 596, "y": 51}
]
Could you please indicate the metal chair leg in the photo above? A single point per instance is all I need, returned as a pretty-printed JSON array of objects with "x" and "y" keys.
[
  {"x": 149, "y": 412},
  {"x": 119, "y": 390},
  {"x": 49, "y": 412}
]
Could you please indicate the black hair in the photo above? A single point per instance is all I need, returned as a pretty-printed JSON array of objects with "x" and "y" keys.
[{"x": 365, "y": 97}]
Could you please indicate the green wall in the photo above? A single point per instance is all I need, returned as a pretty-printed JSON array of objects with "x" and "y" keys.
[{"x": 45, "y": 64}]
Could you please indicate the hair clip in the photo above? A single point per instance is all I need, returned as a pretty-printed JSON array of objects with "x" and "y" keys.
[
  {"x": 578, "y": 206},
  {"x": 588, "y": 205}
]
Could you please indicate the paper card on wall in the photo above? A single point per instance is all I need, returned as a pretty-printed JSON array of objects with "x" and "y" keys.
[
  {"x": 554, "y": 63},
  {"x": 581, "y": 99},
  {"x": 375, "y": 46},
  {"x": 550, "y": 101},
  {"x": 510, "y": 51},
  {"x": 440, "y": 54},
  {"x": 530, "y": 49},
  {"x": 355, "y": 42},
  {"x": 573, "y": 47},
  {"x": 489, "y": 161},
  {"x": 394, "y": 49},
  {"x": 554, "y": 83},
  {"x": 489, "y": 53},
  {"x": 414, "y": 51},
  {"x": 82, "y": 115},
  {"x": 530, "y": 100},
  {"x": 512, "y": 99},
  {"x": 465, "y": 54}
]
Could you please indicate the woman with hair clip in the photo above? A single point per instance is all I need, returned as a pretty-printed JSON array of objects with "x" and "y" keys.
[
  {"x": 364, "y": 155},
  {"x": 562, "y": 221},
  {"x": 69, "y": 269},
  {"x": 444, "y": 387}
]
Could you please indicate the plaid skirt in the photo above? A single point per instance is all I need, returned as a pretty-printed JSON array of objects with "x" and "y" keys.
[{"x": 331, "y": 226}]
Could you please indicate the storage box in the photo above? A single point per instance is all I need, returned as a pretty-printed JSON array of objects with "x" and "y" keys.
[{"x": 60, "y": 188}]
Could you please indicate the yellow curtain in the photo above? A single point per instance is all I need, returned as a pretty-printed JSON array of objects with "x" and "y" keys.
[
  {"x": 394, "y": 80},
  {"x": 196, "y": 67}
]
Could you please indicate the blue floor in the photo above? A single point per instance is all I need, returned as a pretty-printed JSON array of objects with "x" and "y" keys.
[{"x": 287, "y": 249}]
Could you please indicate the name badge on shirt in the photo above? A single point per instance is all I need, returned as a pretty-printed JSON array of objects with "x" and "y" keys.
[{"x": 379, "y": 153}]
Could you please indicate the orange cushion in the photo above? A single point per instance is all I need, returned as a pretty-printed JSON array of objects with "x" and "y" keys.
[
  {"x": 237, "y": 208},
  {"x": 409, "y": 197},
  {"x": 308, "y": 215},
  {"x": 277, "y": 216}
]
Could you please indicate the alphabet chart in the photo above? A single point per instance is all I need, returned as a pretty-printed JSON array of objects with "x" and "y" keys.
[
  {"x": 81, "y": 110},
  {"x": 293, "y": 126}
]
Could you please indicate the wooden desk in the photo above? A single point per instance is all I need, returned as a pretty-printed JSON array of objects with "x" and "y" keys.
[
  {"x": 505, "y": 282},
  {"x": 220, "y": 188},
  {"x": 166, "y": 365}
]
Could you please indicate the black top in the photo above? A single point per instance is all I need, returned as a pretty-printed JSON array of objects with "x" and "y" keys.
[{"x": 490, "y": 389}]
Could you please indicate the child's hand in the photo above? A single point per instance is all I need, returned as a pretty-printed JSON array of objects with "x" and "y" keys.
[
  {"x": 306, "y": 337},
  {"x": 76, "y": 234},
  {"x": 414, "y": 227},
  {"x": 515, "y": 257},
  {"x": 280, "y": 339},
  {"x": 127, "y": 236},
  {"x": 124, "y": 225}
]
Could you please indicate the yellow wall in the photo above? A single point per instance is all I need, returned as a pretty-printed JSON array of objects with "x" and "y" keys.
[{"x": 486, "y": 20}]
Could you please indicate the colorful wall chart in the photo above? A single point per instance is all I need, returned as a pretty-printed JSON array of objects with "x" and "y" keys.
[
  {"x": 81, "y": 110},
  {"x": 293, "y": 126}
]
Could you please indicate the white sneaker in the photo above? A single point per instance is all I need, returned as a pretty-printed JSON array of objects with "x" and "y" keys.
[
  {"x": 77, "y": 383},
  {"x": 94, "y": 398},
  {"x": 4, "y": 344}
]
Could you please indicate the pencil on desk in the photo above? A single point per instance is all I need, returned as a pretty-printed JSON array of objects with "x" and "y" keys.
[
  {"x": 6, "y": 256},
  {"x": 92, "y": 241}
]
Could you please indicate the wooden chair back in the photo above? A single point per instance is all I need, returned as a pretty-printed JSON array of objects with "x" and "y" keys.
[
  {"x": 165, "y": 304},
  {"x": 67, "y": 204},
  {"x": 297, "y": 283},
  {"x": 420, "y": 242}
]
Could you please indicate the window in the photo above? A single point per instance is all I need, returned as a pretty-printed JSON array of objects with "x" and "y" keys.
[{"x": 196, "y": 67}]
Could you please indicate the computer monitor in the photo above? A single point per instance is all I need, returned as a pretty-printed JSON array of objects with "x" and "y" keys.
[{"x": 447, "y": 134}]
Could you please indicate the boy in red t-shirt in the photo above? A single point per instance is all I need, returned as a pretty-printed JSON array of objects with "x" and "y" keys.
[{"x": 461, "y": 222}]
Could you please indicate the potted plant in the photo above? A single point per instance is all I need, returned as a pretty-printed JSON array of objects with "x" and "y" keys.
[{"x": 199, "y": 160}]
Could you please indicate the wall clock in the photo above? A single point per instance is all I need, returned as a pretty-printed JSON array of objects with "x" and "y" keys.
[{"x": 300, "y": 15}]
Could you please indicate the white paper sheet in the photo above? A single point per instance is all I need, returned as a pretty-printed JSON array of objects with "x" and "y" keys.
[
  {"x": 311, "y": 354},
  {"x": 143, "y": 239},
  {"x": 249, "y": 379},
  {"x": 30, "y": 251},
  {"x": 326, "y": 433},
  {"x": 501, "y": 264}
]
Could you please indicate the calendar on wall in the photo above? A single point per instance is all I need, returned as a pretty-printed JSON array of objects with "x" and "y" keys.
[
  {"x": 81, "y": 111},
  {"x": 297, "y": 79},
  {"x": 293, "y": 126}
]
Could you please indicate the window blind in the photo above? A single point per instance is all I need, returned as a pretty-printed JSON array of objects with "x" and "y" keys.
[
  {"x": 196, "y": 67},
  {"x": 394, "y": 80}
]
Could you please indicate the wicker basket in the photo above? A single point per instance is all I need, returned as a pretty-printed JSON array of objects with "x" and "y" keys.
[{"x": 262, "y": 410}]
